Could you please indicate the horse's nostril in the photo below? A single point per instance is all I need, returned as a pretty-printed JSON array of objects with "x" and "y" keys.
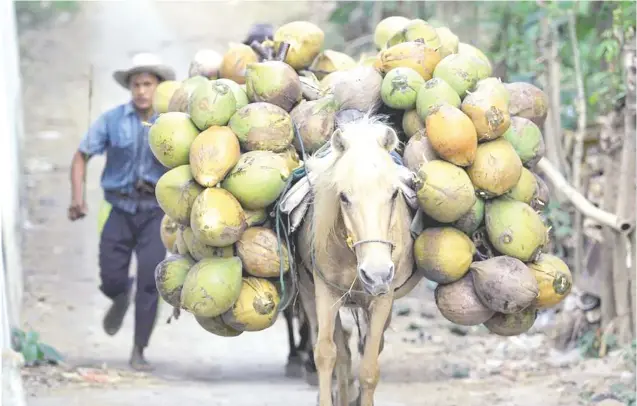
[{"x": 364, "y": 276}]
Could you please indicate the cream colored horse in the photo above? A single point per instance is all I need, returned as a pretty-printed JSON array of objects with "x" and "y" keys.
[{"x": 356, "y": 245}]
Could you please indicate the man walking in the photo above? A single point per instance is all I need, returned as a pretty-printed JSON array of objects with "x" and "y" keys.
[{"x": 130, "y": 216}]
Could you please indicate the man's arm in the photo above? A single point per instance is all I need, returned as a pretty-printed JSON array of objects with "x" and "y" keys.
[{"x": 93, "y": 143}]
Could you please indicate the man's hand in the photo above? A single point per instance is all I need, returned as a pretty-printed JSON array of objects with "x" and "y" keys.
[{"x": 77, "y": 210}]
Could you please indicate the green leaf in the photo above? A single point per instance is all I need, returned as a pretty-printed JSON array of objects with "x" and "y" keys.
[{"x": 49, "y": 353}]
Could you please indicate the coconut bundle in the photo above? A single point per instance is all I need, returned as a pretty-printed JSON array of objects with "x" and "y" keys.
[
  {"x": 472, "y": 141},
  {"x": 232, "y": 134}
]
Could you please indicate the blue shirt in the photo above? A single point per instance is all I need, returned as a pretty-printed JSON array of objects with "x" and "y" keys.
[{"x": 120, "y": 134}]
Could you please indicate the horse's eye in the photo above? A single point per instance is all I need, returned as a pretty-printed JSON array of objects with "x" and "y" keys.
[
  {"x": 394, "y": 195},
  {"x": 344, "y": 198}
]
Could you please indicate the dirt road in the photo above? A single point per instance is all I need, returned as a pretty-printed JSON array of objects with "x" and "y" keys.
[{"x": 426, "y": 360}]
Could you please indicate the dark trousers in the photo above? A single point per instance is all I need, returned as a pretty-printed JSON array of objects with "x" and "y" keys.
[{"x": 122, "y": 234}]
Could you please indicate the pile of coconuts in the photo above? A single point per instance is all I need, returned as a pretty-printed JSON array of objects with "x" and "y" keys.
[
  {"x": 226, "y": 134},
  {"x": 473, "y": 142}
]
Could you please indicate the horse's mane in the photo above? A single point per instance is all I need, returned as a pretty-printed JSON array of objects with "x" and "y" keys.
[{"x": 363, "y": 168}]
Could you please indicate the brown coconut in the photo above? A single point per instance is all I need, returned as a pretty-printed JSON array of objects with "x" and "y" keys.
[
  {"x": 235, "y": 60},
  {"x": 418, "y": 151},
  {"x": 496, "y": 168},
  {"x": 315, "y": 122},
  {"x": 512, "y": 324},
  {"x": 452, "y": 134},
  {"x": 273, "y": 82},
  {"x": 528, "y": 101},
  {"x": 258, "y": 249},
  {"x": 542, "y": 194},
  {"x": 505, "y": 284},
  {"x": 357, "y": 88},
  {"x": 459, "y": 303}
]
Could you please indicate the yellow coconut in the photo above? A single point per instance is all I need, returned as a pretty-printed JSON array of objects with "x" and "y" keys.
[
  {"x": 330, "y": 61},
  {"x": 163, "y": 93},
  {"x": 305, "y": 40},
  {"x": 443, "y": 254},
  {"x": 554, "y": 280},
  {"x": 416, "y": 55},
  {"x": 496, "y": 168},
  {"x": 217, "y": 218},
  {"x": 452, "y": 134},
  {"x": 448, "y": 41},
  {"x": 168, "y": 233},
  {"x": 416, "y": 30},
  {"x": 213, "y": 154},
  {"x": 256, "y": 307},
  {"x": 235, "y": 60},
  {"x": 386, "y": 29}
]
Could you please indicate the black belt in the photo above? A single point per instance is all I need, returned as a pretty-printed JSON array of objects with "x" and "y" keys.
[{"x": 143, "y": 189}]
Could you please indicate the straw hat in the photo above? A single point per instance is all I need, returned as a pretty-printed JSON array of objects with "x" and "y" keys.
[{"x": 144, "y": 62}]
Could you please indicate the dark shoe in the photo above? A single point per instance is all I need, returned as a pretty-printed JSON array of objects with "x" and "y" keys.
[
  {"x": 138, "y": 362},
  {"x": 115, "y": 315}
]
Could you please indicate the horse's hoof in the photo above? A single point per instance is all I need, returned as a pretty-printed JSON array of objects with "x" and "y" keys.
[
  {"x": 311, "y": 378},
  {"x": 293, "y": 370}
]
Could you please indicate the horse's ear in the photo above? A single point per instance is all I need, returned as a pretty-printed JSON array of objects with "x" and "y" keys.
[
  {"x": 338, "y": 141},
  {"x": 389, "y": 139}
]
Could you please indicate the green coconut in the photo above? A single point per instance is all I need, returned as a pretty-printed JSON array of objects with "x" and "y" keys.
[
  {"x": 526, "y": 139},
  {"x": 199, "y": 250},
  {"x": 400, "y": 88},
  {"x": 170, "y": 275},
  {"x": 448, "y": 41},
  {"x": 386, "y": 28},
  {"x": 435, "y": 91},
  {"x": 412, "y": 123},
  {"x": 273, "y": 82},
  {"x": 255, "y": 217},
  {"x": 459, "y": 71},
  {"x": 483, "y": 64},
  {"x": 217, "y": 218},
  {"x": 515, "y": 229},
  {"x": 170, "y": 138},
  {"x": 212, "y": 286},
  {"x": 416, "y": 30},
  {"x": 262, "y": 126},
  {"x": 181, "y": 95},
  {"x": 471, "y": 220},
  {"x": 258, "y": 179},
  {"x": 180, "y": 243},
  {"x": 512, "y": 324},
  {"x": 212, "y": 103},
  {"x": 240, "y": 95},
  {"x": 315, "y": 122},
  {"x": 445, "y": 192},
  {"x": 443, "y": 254},
  {"x": 216, "y": 326},
  {"x": 176, "y": 191},
  {"x": 526, "y": 188}
]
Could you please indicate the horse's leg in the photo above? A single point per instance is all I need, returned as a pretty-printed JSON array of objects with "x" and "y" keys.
[
  {"x": 327, "y": 306},
  {"x": 293, "y": 368},
  {"x": 308, "y": 304},
  {"x": 380, "y": 309},
  {"x": 342, "y": 363}
]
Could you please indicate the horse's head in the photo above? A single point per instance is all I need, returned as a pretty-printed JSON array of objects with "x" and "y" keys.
[{"x": 362, "y": 184}]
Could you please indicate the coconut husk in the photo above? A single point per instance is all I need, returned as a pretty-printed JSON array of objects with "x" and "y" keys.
[
  {"x": 273, "y": 82},
  {"x": 418, "y": 151},
  {"x": 504, "y": 284},
  {"x": 528, "y": 101},
  {"x": 315, "y": 121},
  {"x": 357, "y": 88},
  {"x": 459, "y": 303},
  {"x": 512, "y": 324}
]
